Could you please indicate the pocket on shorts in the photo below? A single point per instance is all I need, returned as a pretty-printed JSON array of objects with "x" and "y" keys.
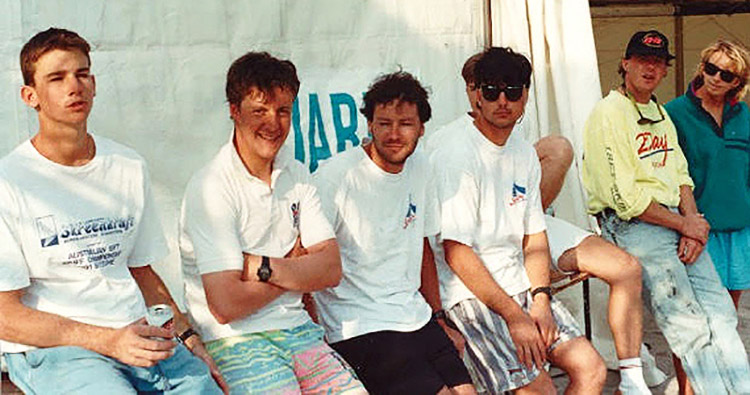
[{"x": 35, "y": 358}]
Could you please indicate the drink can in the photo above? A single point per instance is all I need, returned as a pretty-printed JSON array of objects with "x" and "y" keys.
[{"x": 160, "y": 315}]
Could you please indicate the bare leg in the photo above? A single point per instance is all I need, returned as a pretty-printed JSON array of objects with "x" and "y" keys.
[
  {"x": 583, "y": 364},
  {"x": 463, "y": 389},
  {"x": 682, "y": 380},
  {"x": 542, "y": 385},
  {"x": 555, "y": 155},
  {"x": 736, "y": 295},
  {"x": 622, "y": 272}
]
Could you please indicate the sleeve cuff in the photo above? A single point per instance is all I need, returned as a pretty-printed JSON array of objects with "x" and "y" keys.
[
  {"x": 220, "y": 265},
  {"x": 464, "y": 239},
  {"x": 317, "y": 237},
  {"x": 14, "y": 283},
  {"x": 636, "y": 209}
]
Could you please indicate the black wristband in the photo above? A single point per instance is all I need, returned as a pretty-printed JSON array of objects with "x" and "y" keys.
[
  {"x": 439, "y": 315},
  {"x": 541, "y": 290},
  {"x": 182, "y": 337}
]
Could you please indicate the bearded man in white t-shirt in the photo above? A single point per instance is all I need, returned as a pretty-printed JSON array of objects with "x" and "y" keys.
[
  {"x": 79, "y": 232},
  {"x": 382, "y": 202},
  {"x": 253, "y": 239},
  {"x": 496, "y": 282}
]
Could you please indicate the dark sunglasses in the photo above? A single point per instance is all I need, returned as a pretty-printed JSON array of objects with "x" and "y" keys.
[
  {"x": 642, "y": 120},
  {"x": 711, "y": 69},
  {"x": 492, "y": 92}
]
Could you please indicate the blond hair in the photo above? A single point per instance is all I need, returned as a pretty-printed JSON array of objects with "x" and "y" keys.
[{"x": 738, "y": 54}]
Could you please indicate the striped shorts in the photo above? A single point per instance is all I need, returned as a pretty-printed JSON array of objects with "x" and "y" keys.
[
  {"x": 490, "y": 353},
  {"x": 287, "y": 361}
]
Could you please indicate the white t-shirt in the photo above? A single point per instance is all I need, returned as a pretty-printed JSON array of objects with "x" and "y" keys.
[
  {"x": 69, "y": 234},
  {"x": 380, "y": 220},
  {"x": 461, "y": 125},
  {"x": 490, "y": 199},
  {"x": 227, "y": 211}
]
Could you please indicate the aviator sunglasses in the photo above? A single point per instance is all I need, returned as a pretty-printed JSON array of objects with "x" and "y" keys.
[
  {"x": 492, "y": 92},
  {"x": 711, "y": 69}
]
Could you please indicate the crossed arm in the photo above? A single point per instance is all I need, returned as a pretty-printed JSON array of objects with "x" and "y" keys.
[{"x": 234, "y": 294}]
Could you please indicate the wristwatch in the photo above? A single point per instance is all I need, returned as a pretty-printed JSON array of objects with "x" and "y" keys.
[
  {"x": 541, "y": 290},
  {"x": 182, "y": 337},
  {"x": 264, "y": 271}
]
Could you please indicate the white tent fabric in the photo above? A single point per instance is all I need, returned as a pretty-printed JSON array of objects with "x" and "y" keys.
[{"x": 560, "y": 43}]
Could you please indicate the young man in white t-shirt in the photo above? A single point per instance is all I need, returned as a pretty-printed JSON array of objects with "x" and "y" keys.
[
  {"x": 78, "y": 235},
  {"x": 496, "y": 284},
  {"x": 573, "y": 249},
  {"x": 382, "y": 202},
  {"x": 246, "y": 218}
]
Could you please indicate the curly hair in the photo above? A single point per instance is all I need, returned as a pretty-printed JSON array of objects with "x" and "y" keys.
[{"x": 400, "y": 86}]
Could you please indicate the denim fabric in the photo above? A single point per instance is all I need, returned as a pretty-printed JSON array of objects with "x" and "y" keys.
[
  {"x": 74, "y": 370},
  {"x": 690, "y": 305}
]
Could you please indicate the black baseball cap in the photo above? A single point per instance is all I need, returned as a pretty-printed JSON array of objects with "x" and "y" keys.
[{"x": 649, "y": 43}]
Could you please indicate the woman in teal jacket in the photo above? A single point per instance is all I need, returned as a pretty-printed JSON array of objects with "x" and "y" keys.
[{"x": 713, "y": 126}]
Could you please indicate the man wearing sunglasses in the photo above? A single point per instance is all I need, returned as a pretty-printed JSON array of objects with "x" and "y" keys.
[
  {"x": 495, "y": 275},
  {"x": 573, "y": 249},
  {"x": 639, "y": 188}
]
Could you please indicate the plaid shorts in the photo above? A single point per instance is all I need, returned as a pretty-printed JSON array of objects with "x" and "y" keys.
[{"x": 490, "y": 353}]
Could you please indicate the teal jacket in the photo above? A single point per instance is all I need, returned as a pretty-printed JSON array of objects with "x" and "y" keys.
[{"x": 718, "y": 159}]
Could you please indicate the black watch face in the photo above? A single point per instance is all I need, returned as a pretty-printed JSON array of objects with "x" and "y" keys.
[{"x": 264, "y": 273}]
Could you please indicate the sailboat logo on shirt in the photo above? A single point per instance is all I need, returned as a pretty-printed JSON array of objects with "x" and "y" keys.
[
  {"x": 518, "y": 193},
  {"x": 411, "y": 213},
  {"x": 47, "y": 229},
  {"x": 295, "y": 214}
]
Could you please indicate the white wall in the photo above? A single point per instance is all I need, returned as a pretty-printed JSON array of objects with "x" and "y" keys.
[{"x": 161, "y": 65}]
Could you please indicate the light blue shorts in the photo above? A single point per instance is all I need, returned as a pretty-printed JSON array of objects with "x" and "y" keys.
[
  {"x": 75, "y": 370},
  {"x": 730, "y": 252}
]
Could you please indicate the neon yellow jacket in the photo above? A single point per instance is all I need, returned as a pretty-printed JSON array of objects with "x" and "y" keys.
[{"x": 627, "y": 165}]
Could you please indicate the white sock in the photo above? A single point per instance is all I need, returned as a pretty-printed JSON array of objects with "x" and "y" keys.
[{"x": 631, "y": 377}]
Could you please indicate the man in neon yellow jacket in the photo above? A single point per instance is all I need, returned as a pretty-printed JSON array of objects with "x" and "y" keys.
[{"x": 639, "y": 187}]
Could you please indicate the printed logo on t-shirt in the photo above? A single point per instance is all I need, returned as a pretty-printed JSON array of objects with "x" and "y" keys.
[
  {"x": 295, "y": 214},
  {"x": 650, "y": 145},
  {"x": 95, "y": 227},
  {"x": 47, "y": 229},
  {"x": 411, "y": 213},
  {"x": 87, "y": 246},
  {"x": 518, "y": 194}
]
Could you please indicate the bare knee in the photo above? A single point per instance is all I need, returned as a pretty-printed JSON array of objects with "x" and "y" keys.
[
  {"x": 555, "y": 149},
  {"x": 591, "y": 373},
  {"x": 630, "y": 270},
  {"x": 541, "y": 385},
  {"x": 625, "y": 269}
]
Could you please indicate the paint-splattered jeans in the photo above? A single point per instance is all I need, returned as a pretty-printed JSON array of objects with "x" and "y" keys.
[{"x": 689, "y": 304}]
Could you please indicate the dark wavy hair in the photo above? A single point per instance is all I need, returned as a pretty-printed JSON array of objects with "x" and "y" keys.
[
  {"x": 261, "y": 71},
  {"x": 400, "y": 86},
  {"x": 502, "y": 65}
]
